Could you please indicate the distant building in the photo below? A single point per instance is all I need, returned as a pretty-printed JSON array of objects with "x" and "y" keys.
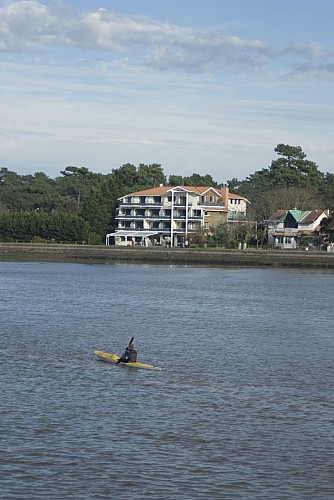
[
  {"x": 167, "y": 215},
  {"x": 286, "y": 227}
]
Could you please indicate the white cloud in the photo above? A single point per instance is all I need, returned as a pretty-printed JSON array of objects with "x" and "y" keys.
[
  {"x": 312, "y": 51},
  {"x": 27, "y": 24},
  {"x": 30, "y": 25}
]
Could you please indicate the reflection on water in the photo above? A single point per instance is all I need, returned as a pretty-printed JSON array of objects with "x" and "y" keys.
[{"x": 242, "y": 409}]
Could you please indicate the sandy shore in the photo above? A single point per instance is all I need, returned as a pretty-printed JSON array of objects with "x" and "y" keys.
[{"x": 215, "y": 257}]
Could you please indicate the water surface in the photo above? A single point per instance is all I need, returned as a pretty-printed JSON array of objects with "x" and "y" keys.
[{"x": 242, "y": 409}]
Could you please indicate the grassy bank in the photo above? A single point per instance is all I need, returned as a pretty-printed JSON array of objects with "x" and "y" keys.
[{"x": 215, "y": 257}]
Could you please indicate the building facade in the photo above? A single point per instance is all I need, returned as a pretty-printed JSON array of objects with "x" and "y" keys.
[
  {"x": 167, "y": 215},
  {"x": 286, "y": 227}
]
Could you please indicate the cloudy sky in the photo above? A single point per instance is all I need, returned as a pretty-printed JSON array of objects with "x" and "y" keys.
[{"x": 199, "y": 86}]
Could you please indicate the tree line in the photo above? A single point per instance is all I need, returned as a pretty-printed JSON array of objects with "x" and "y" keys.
[{"x": 80, "y": 205}]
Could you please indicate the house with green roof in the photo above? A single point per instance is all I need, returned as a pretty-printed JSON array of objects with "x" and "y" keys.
[{"x": 287, "y": 227}]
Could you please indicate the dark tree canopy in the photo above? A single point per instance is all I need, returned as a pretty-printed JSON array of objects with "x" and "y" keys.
[
  {"x": 291, "y": 169},
  {"x": 192, "y": 180},
  {"x": 291, "y": 181},
  {"x": 326, "y": 231}
]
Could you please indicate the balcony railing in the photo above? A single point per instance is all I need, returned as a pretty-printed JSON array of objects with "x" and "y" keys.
[
  {"x": 206, "y": 204},
  {"x": 162, "y": 217},
  {"x": 282, "y": 231},
  {"x": 156, "y": 228},
  {"x": 140, "y": 203},
  {"x": 143, "y": 217}
]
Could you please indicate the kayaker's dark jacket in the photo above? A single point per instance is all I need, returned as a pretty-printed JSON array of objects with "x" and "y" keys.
[{"x": 130, "y": 356}]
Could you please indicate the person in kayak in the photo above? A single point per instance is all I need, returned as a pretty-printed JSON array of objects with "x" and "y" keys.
[{"x": 130, "y": 355}]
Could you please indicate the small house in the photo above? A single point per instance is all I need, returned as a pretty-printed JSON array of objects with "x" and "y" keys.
[{"x": 287, "y": 227}]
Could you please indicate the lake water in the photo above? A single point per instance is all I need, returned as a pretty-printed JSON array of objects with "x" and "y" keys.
[{"x": 242, "y": 409}]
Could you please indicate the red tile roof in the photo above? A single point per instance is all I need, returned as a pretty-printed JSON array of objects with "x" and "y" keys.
[
  {"x": 199, "y": 190},
  {"x": 312, "y": 217},
  {"x": 277, "y": 215}
]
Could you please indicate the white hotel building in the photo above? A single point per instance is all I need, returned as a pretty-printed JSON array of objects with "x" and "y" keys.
[{"x": 168, "y": 215}]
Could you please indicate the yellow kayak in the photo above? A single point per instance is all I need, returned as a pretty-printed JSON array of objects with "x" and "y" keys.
[{"x": 112, "y": 358}]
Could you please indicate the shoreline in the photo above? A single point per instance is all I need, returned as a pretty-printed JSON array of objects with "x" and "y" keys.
[{"x": 155, "y": 255}]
